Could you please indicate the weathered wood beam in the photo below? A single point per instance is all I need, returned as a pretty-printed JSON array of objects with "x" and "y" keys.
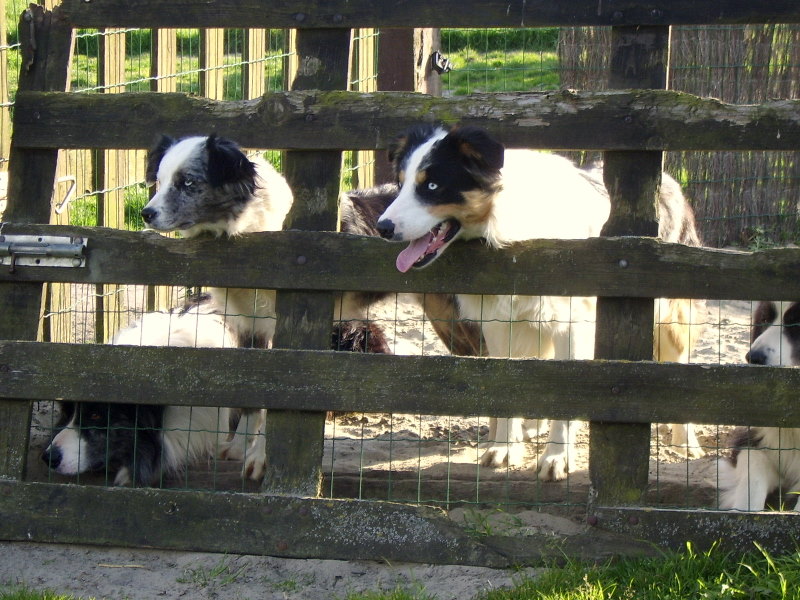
[
  {"x": 314, "y": 120},
  {"x": 643, "y": 267},
  {"x": 294, "y": 439},
  {"x": 241, "y": 523},
  {"x": 612, "y": 391},
  {"x": 45, "y": 45},
  {"x": 421, "y": 13},
  {"x": 776, "y": 532},
  {"x": 619, "y": 451}
]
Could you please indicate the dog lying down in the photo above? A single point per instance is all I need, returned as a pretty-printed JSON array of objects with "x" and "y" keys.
[
  {"x": 208, "y": 186},
  {"x": 140, "y": 444},
  {"x": 766, "y": 460}
]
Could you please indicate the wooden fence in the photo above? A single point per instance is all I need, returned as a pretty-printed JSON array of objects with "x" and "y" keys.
[{"x": 620, "y": 392}]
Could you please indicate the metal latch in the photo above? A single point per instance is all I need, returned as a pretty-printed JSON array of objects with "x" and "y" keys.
[{"x": 42, "y": 251}]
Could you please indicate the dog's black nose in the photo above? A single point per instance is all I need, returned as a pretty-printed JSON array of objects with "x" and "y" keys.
[
  {"x": 52, "y": 456},
  {"x": 148, "y": 214},
  {"x": 386, "y": 228},
  {"x": 756, "y": 357}
]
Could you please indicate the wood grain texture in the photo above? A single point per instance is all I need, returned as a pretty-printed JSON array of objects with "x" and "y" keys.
[
  {"x": 420, "y": 13},
  {"x": 295, "y": 439},
  {"x": 338, "y": 120},
  {"x": 619, "y": 452},
  {"x": 240, "y": 523},
  {"x": 613, "y": 267},
  {"x": 46, "y": 44},
  {"x": 596, "y": 390}
]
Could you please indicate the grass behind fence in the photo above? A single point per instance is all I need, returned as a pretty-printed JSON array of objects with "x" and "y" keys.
[{"x": 744, "y": 199}]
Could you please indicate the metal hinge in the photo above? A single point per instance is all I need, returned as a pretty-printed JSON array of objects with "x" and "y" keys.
[{"x": 42, "y": 251}]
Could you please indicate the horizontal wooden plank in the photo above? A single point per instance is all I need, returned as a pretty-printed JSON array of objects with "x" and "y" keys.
[
  {"x": 616, "y": 120},
  {"x": 295, "y": 260},
  {"x": 420, "y": 13},
  {"x": 612, "y": 391},
  {"x": 280, "y": 526},
  {"x": 240, "y": 523},
  {"x": 736, "y": 532}
]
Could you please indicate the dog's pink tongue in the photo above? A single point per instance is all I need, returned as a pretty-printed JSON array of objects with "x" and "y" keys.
[{"x": 414, "y": 251}]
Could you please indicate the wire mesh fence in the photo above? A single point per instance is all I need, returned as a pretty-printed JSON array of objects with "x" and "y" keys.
[
  {"x": 419, "y": 458},
  {"x": 745, "y": 199}
]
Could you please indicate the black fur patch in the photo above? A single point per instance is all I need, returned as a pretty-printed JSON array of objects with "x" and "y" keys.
[
  {"x": 765, "y": 315},
  {"x": 791, "y": 329},
  {"x": 118, "y": 436},
  {"x": 466, "y": 159},
  {"x": 352, "y": 337},
  {"x": 743, "y": 438},
  {"x": 227, "y": 165},
  {"x": 154, "y": 157},
  {"x": 406, "y": 142}
]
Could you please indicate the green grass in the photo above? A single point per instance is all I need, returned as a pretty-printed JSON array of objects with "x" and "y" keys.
[
  {"x": 24, "y": 593},
  {"x": 502, "y": 71},
  {"x": 457, "y": 40},
  {"x": 83, "y": 210},
  {"x": 674, "y": 576}
]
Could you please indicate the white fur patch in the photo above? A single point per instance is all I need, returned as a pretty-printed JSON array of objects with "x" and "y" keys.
[
  {"x": 73, "y": 448},
  {"x": 410, "y": 216}
]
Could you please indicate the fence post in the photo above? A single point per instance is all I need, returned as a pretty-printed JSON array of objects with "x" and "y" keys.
[
  {"x": 5, "y": 109},
  {"x": 295, "y": 439},
  {"x": 363, "y": 79},
  {"x": 253, "y": 77},
  {"x": 619, "y": 453},
  {"x": 111, "y": 173},
  {"x": 212, "y": 58},
  {"x": 163, "y": 61},
  {"x": 404, "y": 66},
  {"x": 32, "y": 173}
]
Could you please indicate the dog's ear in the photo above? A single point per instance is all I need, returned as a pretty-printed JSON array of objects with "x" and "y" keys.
[
  {"x": 154, "y": 157},
  {"x": 227, "y": 163},
  {"x": 147, "y": 445},
  {"x": 476, "y": 147},
  {"x": 396, "y": 147},
  {"x": 404, "y": 143},
  {"x": 791, "y": 329},
  {"x": 65, "y": 414},
  {"x": 765, "y": 315}
]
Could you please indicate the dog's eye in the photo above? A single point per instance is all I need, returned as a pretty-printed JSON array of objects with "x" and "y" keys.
[
  {"x": 433, "y": 186},
  {"x": 95, "y": 416},
  {"x": 188, "y": 182}
]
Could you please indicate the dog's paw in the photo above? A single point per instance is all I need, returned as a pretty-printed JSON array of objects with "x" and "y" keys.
[
  {"x": 255, "y": 462},
  {"x": 234, "y": 449},
  {"x": 689, "y": 452},
  {"x": 553, "y": 465},
  {"x": 685, "y": 443},
  {"x": 502, "y": 455}
]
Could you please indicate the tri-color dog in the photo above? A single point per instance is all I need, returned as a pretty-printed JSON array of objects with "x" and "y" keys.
[
  {"x": 766, "y": 459},
  {"x": 460, "y": 184}
]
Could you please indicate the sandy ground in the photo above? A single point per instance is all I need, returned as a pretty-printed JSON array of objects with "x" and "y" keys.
[
  {"x": 429, "y": 455},
  {"x": 142, "y": 575}
]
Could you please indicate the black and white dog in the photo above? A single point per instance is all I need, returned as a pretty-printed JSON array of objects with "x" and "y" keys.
[
  {"x": 208, "y": 186},
  {"x": 765, "y": 459},
  {"x": 460, "y": 184},
  {"x": 138, "y": 444}
]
